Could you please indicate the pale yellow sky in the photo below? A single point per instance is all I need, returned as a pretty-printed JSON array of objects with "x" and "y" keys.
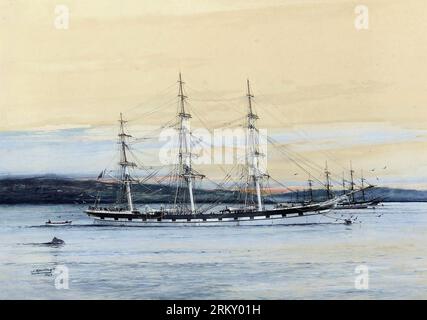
[{"x": 307, "y": 62}]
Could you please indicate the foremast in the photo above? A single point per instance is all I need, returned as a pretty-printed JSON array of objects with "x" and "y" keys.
[
  {"x": 125, "y": 164},
  {"x": 185, "y": 171},
  {"x": 329, "y": 193},
  {"x": 253, "y": 153},
  {"x": 362, "y": 179}
]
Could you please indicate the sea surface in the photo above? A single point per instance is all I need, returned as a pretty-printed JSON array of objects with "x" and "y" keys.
[{"x": 388, "y": 247}]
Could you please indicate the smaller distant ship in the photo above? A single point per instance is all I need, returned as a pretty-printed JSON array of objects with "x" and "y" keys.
[
  {"x": 350, "y": 202},
  {"x": 346, "y": 201}
]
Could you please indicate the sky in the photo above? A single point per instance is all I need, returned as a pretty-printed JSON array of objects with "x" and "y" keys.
[{"x": 323, "y": 88}]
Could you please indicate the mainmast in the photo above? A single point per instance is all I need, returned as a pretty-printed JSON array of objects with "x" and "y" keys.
[
  {"x": 185, "y": 171},
  {"x": 352, "y": 181},
  {"x": 310, "y": 187},
  {"x": 328, "y": 182},
  {"x": 124, "y": 163},
  {"x": 343, "y": 183},
  {"x": 252, "y": 149}
]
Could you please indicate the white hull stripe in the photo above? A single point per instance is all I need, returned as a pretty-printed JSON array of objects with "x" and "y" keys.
[{"x": 289, "y": 219}]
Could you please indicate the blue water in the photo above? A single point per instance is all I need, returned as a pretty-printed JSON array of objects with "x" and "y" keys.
[{"x": 270, "y": 262}]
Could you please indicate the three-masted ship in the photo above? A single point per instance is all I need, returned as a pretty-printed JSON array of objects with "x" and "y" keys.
[
  {"x": 183, "y": 210},
  {"x": 351, "y": 202}
]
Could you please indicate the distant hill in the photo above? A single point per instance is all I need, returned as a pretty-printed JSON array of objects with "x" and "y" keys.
[
  {"x": 388, "y": 194},
  {"x": 60, "y": 190}
]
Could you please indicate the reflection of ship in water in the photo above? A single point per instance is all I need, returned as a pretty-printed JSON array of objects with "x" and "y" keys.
[{"x": 250, "y": 189}]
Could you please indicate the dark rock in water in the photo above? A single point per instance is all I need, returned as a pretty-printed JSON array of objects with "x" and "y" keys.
[{"x": 56, "y": 240}]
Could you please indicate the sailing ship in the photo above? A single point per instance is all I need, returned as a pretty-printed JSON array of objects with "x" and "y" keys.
[
  {"x": 183, "y": 210},
  {"x": 351, "y": 202}
]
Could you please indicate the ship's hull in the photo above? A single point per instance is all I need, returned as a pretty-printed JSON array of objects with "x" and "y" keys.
[
  {"x": 312, "y": 219},
  {"x": 352, "y": 206},
  {"x": 358, "y": 205},
  {"x": 58, "y": 224},
  {"x": 288, "y": 216}
]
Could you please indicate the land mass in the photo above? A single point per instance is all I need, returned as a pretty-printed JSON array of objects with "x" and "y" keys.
[{"x": 61, "y": 190}]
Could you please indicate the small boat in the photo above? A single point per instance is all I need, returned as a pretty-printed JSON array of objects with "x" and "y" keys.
[{"x": 58, "y": 223}]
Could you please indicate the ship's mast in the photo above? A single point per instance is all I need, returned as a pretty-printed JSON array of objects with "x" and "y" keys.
[
  {"x": 310, "y": 188},
  {"x": 363, "y": 186},
  {"x": 185, "y": 171},
  {"x": 328, "y": 182},
  {"x": 124, "y": 163},
  {"x": 343, "y": 183},
  {"x": 252, "y": 149},
  {"x": 352, "y": 181}
]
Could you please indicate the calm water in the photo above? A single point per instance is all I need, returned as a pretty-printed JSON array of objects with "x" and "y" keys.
[{"x": 270, "y": 262}]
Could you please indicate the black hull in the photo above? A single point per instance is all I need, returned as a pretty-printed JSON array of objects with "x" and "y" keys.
[
  {"x": 278, "y": 213},
  {"x": 359, "y": 205}
]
